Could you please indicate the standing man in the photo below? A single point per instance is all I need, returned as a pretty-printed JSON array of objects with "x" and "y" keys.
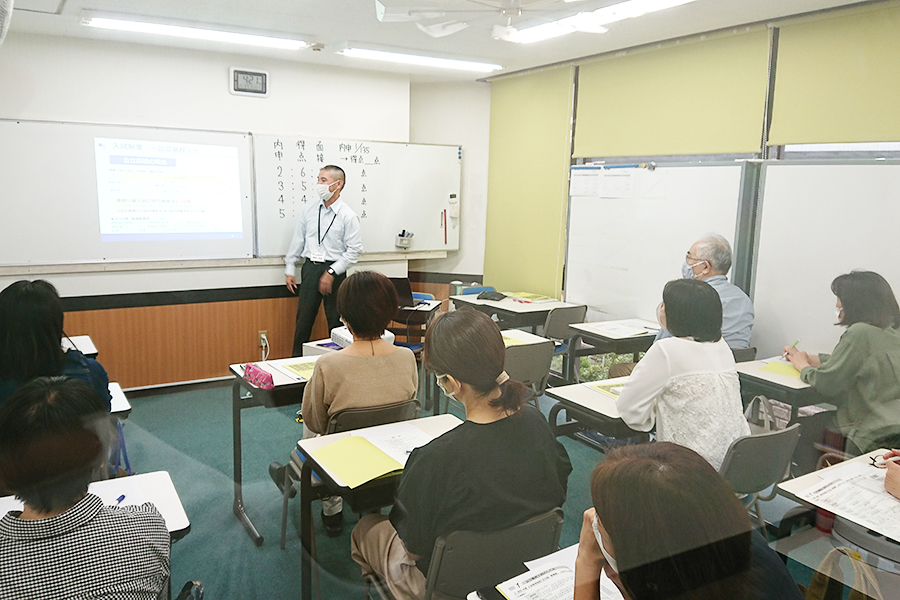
[{"x": 328, "y": 237}]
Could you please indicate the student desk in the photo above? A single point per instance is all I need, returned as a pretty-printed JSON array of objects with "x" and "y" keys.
[
  {"x": 82, "y": 343},
  {"x": 518, "y": 313},
  {"x": 119, "y": 406},
  {"x": 288, "y": 390},
  {"x": 621, "y": 337},
  {"x": 869, "y": 501},
  {"x": 791, "y": 390},
  {"x": 156, "y": 487},
  {"x": 517, "y": 337},
  {"x": 587, "y": 408},
  {"x": 372, "y": 495}
]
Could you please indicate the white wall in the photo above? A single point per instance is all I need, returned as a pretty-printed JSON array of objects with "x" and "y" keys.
[
  {"x": 457, "y": 113},
  {"x": 70, "y": 79}
]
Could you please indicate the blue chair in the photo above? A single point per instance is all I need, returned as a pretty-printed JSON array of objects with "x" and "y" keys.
[{"x": 477, "y": 290}]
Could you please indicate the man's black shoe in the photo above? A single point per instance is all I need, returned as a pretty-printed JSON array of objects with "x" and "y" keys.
[
  {"x": 276, "y": 472},
  {"x": 334, "y": 524}
]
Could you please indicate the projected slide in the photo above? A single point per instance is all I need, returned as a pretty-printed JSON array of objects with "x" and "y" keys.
[{"x": 148, "y": 190}]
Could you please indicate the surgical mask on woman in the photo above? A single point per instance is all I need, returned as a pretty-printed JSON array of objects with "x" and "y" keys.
[
  {"x": 443, "y": 389},
  {"x": 609, "y": 559}
]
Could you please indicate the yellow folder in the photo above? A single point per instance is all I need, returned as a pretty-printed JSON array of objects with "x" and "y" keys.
[
  {"x": 782, "y": 369},
  {"x": 356, "y": 460}
]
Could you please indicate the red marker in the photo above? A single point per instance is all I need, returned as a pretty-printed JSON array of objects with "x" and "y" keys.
[{"x": 445, "y": 226}]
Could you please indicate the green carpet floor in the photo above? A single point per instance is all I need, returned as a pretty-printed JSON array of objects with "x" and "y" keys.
[{"x": 188, "y": 433}]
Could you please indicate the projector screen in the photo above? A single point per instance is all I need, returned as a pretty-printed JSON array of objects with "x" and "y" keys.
[
  {"x": 83, "y": 193},
  {"x": 149, "y": 190}
]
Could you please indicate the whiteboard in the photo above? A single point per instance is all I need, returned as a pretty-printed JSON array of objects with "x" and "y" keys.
[
  {"x": 51, "y": 212},
  {"x": 629, "y": 229},
  {"x": 390, "y": 186},
  {"x": 818, "y": 221}
]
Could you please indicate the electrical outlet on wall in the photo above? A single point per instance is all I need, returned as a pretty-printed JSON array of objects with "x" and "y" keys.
[{"x": 263, "y": 334}]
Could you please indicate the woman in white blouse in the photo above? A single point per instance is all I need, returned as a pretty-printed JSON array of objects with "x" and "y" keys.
[{"x": 687, "y": 385}]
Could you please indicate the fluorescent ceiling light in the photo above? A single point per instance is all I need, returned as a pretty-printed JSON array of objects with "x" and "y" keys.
[
  {"x": 442, "y": 29},
  {"x": 633, "y": 8},
  {"x": 587, "y": 22},
  {"x": 123, "y": 24},
  {"x": 538, "y": 33},
  {"x": 424, "y": 61}
]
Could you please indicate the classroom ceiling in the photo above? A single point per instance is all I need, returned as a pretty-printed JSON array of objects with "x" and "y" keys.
[{"x": 337, "y": 23}]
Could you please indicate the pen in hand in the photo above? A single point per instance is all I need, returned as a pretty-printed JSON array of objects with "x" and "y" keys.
[{"x": 794, "y": 345}]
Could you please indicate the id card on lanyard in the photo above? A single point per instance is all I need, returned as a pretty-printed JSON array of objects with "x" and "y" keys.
[{"x": 319, "y": 256}]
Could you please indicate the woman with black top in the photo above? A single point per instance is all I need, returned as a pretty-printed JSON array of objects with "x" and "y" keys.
[
  {"x": 497, "y": 469},
  {"x": 31, "y": 330}
]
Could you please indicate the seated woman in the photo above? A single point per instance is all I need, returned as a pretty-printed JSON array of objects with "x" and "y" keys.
[
  {"x": 31, "y": 330},
  {"x": 499, "y": 468},
  {"x": 665, "y": 525},
  {"x": 687, "y": 385},
  {"x": 368, "y": 372},
  {"x": 53, "y": 438},
  {"x": 862, "y": 376}
]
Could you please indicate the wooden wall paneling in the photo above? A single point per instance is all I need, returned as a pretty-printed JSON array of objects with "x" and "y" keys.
[{"x": 167, "y": 344}]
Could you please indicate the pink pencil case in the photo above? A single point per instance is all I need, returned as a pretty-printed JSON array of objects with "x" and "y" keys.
[{"x": 258, "y": 377}]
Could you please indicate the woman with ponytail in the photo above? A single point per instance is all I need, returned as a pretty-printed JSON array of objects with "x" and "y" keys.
[{"x": 499, "y": 468}]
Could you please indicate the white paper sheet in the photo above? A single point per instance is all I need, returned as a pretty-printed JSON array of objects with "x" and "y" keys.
[{"x": 398, "y": 440}]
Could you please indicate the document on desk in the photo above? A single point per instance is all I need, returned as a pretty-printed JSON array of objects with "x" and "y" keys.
[
  {"x": 397, "y": 440},
  {"x": 856, "y": 492},
  {"x": 354, "y": 460},
  {"x": 780, "y": 366},
  {"x": 608, "y": 389},
  {"x": 623, "y": 329},
  {"x": 554, "y": 582},
  {"x": 302, "y": 369},
  {"x": 529, "y": 297},
  {"x": 511, "y": 341},
  {"x": 124, "y": 486}
]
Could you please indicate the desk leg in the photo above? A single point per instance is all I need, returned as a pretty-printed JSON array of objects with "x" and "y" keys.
[
  {"x": 306, "y": 531},
  {"x": 238, "y": 506},
  {"x": 571, "y": 360}
]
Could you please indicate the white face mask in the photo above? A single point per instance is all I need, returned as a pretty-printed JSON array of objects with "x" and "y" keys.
[
  {"x": 443, "y": 389},
  {"x": 609, "y": 559},
  {"x": 324, "y": 191},
  {"x": 687, "y": 271},
  {"x": 838, "y": 312}
]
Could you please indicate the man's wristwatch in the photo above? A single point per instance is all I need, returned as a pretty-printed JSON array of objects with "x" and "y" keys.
[{"x": 331, "y": 272}]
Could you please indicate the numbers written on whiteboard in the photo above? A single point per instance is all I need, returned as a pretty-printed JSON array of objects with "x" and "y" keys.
[
  {"x": 280, "y": 213},
  {"x": 280, "y": 170}
]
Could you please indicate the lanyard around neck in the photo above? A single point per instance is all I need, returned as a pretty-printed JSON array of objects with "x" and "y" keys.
[{"x": 319, "y": 223}]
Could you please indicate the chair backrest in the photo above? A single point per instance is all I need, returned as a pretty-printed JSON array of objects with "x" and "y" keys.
[
  {"x": 477, "y": 290},
  {"x": 356, "y": 418},
  {"x": 419, "y": 296},
  {"x": 556, "y": 326},
  {"x": 529, "y": 363},
  {"x": 464, "y": 561},
  {"x": 743, "y": 354},
  {"x": 755, "y": 462}
]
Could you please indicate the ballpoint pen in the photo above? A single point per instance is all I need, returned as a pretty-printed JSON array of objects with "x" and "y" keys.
[{"x": 794, "y": 345}]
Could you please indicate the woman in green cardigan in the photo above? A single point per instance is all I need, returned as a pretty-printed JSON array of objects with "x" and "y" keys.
[{"x": 862, "y": 376}]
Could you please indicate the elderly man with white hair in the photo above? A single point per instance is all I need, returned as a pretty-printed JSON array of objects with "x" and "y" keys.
[{"x": 709, "y": 260}]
